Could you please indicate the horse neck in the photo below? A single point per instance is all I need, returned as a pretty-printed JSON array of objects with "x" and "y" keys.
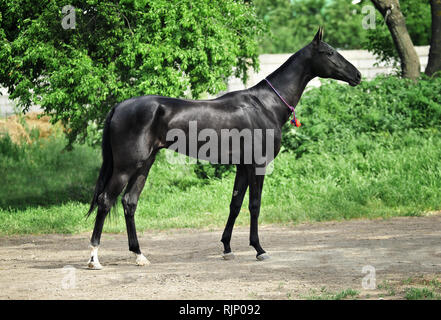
[{"x": 290, "y": 80}]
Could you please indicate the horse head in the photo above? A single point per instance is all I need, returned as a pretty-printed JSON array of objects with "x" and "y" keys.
[{"x": 326, "y": 62}]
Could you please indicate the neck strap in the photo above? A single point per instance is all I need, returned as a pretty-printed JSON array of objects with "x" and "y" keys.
[{"x": 294, "y": 119}]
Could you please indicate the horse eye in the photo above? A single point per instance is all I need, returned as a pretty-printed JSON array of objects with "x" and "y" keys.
[{"x": 330, "y": 53}]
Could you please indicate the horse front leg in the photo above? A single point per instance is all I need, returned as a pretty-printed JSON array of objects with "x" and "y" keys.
[
  {"x": 239, "y": 190},
  {"x": 256, "y": 185}
]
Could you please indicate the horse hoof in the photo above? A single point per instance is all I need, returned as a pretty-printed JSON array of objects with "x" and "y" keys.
[
  {"x": 263, "y": 257},
  {"x": 94, "y": 265},
  {"x": 141, "y": 260},
  {"x": 228, "y": 256}
]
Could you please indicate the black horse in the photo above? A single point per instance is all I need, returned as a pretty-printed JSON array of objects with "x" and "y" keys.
[{"x": 136, "y": 129}]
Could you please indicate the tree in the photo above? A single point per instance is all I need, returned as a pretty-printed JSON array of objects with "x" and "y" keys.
[
  {"x": 395, "y": 21},
  {"x": 379, "y": 40},
  {"x": 434, "y": 63},
  {"x": 79, "y": 61}
]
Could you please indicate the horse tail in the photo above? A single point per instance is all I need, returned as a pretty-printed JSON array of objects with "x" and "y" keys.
[{"x": 107, "y": 166}]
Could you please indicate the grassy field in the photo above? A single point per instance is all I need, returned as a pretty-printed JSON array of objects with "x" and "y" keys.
[{"x": 356, "y": 156}]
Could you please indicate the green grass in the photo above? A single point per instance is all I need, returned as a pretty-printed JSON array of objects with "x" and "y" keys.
[
  {"x": 388, "y": 287},
  {"x": 342, "y": 164},
  {"x": 48, "y": 190},
  {"x": 324, "y": 294},
  {"x": 421, "y": 294},
  {"x": 43, "y": 173},
  {"x": 422, "y": 288}
]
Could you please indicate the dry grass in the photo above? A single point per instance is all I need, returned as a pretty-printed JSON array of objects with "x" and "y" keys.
[{"x": 19, "y": 127}]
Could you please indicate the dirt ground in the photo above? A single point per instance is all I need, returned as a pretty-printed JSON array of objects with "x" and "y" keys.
[{"x": 306, "y": 260}]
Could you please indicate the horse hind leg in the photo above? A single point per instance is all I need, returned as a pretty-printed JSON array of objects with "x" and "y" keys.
[
  {"x": 130, "y": 202},
  {"x": 105, "y": 203}
]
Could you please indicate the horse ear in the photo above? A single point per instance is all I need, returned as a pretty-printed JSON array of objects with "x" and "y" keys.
[{"x": 318, "y": 36}]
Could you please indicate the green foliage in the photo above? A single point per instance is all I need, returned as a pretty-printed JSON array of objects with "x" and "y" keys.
[
  {"x": 379, "y": 40},
  {"x": 121, "y": 49},
  {"x": 8, "y": 149},
  {"x": 373, "y": 149},
  {"x": 294, "y": 22},
  {"x": 206, "y": 170},
  {"x": 332, "y": 115}
]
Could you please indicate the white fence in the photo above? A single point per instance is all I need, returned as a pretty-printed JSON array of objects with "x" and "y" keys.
[{"x": 361, "y": 59}]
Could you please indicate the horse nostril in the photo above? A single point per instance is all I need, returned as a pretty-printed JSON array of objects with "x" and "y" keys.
[{"x": 358, "y": 75}]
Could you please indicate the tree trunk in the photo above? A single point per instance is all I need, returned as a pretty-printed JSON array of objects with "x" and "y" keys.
[
  {"x": 434, "y": 63},
  {"x": 410, "y": 63}
]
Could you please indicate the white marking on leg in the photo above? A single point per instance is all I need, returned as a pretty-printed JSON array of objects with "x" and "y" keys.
[
  {"x": 94, "y": 263},
  {"x": 141, "y": 260}
]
